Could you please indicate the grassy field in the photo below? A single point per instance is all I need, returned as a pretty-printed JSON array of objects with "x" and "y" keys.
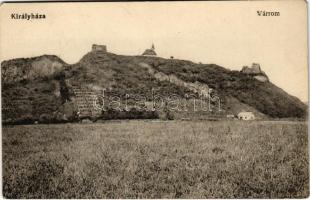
[{"x": 145, "y": 159}]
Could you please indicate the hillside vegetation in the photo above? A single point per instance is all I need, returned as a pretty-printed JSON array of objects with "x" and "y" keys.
[{"x": 48, "y": 94}]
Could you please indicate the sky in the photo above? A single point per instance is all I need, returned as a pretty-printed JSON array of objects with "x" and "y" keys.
[{"x": 230, "y": 34}]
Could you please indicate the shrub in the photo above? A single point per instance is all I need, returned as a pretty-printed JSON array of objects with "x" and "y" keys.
[{"x": 131, "y": 114}]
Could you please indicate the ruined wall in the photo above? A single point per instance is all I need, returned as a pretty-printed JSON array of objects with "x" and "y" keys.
[
  {"x": 97, "y": 47},
  {"x": 256, "y": 68},
  {"x": 49, "y": 108},
  {"x": 84, "y": 100},
  {"x": 255, "y": 71}
]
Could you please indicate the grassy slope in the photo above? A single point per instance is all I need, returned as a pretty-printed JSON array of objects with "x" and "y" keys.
[
  {"x": 139, "y": 159},
  {"x": 264, "y": 97},
  {"x": 124, "y": 75},
  {"x": 35, "y": 98}
]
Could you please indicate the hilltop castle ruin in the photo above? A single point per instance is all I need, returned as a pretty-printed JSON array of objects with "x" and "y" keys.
[
  {"x": 256, "y": 72},
  {"x": 97, "y": 47}
]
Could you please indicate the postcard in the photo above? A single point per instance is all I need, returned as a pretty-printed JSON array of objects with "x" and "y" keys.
[{"x": 130, "y": 100}]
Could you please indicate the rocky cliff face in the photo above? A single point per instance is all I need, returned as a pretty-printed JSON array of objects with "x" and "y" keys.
[{"x": 30, "y": 68}]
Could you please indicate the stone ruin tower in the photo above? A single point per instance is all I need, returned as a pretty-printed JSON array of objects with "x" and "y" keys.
[
  {"x": 255, "y": 71},
  {"x": 101, "y": 48}
]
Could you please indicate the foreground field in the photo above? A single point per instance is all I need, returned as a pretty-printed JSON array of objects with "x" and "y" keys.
[{"x": 138, "y": 159}]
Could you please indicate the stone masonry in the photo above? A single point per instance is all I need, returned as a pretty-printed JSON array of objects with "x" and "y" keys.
[{"x": 84, "y": 100}]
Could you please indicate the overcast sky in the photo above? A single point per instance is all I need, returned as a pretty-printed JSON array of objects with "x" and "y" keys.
[{"x": 230, "y": 34}]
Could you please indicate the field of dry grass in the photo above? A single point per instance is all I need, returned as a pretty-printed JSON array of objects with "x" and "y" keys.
[{"x": 144, "y": 159}]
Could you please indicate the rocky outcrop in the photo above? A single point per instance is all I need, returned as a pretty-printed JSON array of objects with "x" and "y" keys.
[
  {"x": 261, "y": 78},
  {"x": 256, "y": 72},
  {"x": 30, "y": 68},
  {"x": 196, "y": 87}
]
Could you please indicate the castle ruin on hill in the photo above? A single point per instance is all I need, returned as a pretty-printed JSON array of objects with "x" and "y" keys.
[
  {"x": 254, "y": 69},
  {"x": 96, "y": 47},
  {"x": 256, "y": 72},
  {"x": 83, "y": 96}
]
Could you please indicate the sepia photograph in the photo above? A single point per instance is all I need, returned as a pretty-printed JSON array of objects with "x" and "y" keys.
[{"x": 154, "y": 100}]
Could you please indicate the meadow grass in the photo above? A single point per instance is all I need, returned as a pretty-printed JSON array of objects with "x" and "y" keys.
[{"x": 148, "y": 159}]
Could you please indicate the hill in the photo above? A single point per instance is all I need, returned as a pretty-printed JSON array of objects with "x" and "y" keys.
[
  {"x": 46, "y": 89},
  {"x": 30, "y": 68}
]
